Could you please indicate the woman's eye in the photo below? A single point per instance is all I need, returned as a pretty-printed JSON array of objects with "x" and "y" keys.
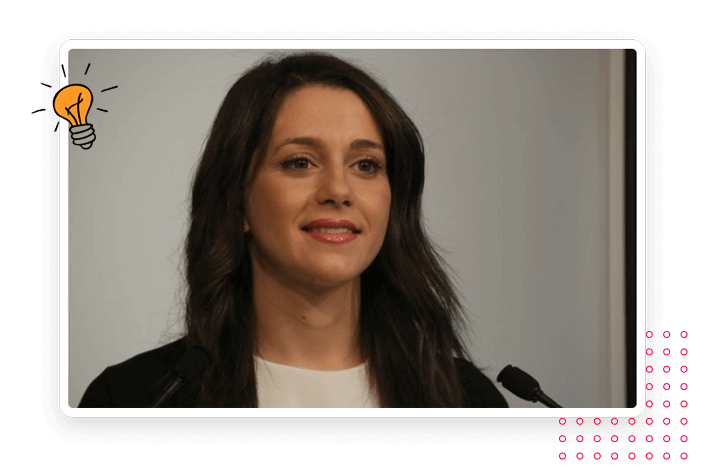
[
  {"x": 298, "y": 164},
  {"x": 368, "y": 165}
]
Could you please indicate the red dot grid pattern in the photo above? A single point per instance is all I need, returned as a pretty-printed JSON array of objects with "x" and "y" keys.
[{"x": 648, "y": 436}]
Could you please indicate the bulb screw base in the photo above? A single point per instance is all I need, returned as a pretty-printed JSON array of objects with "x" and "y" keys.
[{"x": 83, "y": 135}]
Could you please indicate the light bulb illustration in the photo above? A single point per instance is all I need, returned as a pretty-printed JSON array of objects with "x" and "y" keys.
[{"x": 73, "y": 103}]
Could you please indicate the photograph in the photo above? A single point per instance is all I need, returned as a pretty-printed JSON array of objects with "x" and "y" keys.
[{"x": 370, "y": 228}]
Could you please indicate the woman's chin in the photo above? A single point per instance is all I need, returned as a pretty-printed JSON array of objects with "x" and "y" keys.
[{"x": 331, "y": 278}]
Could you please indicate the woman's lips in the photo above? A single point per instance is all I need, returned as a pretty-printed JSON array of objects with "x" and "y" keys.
[
  {"x": 332, "y": 238},
  {"x": 328, "y": 223}
]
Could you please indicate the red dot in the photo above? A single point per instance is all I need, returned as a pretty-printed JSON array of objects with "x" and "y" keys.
[
  {"x": 561, "y": 421},
  {"x": 649, "y": 403},
  {"x": 684, "y": 455},
  {"x": 684, "y": 421},
  {"x": 597, "y": 421},
  {"x": 631, "y": 455},
  {"x": 666, "y": 334},
  {"x": 614, "y": 421},
  {"x": 684, "y": 403},
  {"x": 649, "y": 438},
  {"x": 649, "y": 351},
  {"x": 684, "y": 369},
  {"x": 597, "y": 438},
  {"x": 666, "y": 420},
  {"x": 579, "y": 438},
  {"x": 684, "y": 438},
  {"x": 614, "y": 455},
  {"x": 684, "y": 386},
  {"x": 666, "y": 403},
  {"x": 649, "y": 455},
  {"x": 666, "y": 351},
  {"x": 632, "y": 438},
  {"x": 561, "y": 438},
  {"x": 614, "y": 438},
  {"x": 561, "y": 456},
  {"x": 649, "y": 386},
  {"x": 597, "y": 455},
  {"x": 579, "y": 455},
  {"x": 684, "y": 351},
  {"x": 649, "y": 369},
  {"x": 666, "y": 438},
  {"x": 579, "y": 421},
  {"x": 649, "y": 421},
  {"x": 649, "y": 334},
  {"x": 666, "y": 386},
  {"x": 666, "y": 369},
  {"x": 666, "y": 456},
  {"x": 684, "y": 334},
  {"x": 632, "y": 421}
]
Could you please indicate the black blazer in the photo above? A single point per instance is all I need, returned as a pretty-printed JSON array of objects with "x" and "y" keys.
[{"x": 132, "y": 382}]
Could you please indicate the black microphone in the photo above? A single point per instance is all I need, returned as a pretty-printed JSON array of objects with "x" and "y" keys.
[
  {"x": 523, "y": 385},
  {"x": 190, "y": 366}
]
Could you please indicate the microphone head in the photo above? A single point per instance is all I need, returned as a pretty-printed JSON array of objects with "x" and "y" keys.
[{"x": 519, "y": 383}]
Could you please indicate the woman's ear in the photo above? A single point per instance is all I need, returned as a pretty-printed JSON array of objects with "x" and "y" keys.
[{"x": 245, "y": 227}]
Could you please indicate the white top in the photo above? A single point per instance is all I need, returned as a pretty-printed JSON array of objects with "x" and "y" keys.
[{"x": 280, "y": 385}]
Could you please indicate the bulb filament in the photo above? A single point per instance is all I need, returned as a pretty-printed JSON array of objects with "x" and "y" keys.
[{"x": 76, "y": 121}]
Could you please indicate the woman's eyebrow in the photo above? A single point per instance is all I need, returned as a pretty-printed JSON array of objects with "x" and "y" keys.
[
  {"x": 364, "y": 143},
  {"x": 318, "y": 143}
]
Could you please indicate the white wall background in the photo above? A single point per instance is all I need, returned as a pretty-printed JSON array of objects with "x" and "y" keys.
[{"x": 517, "y": 198}]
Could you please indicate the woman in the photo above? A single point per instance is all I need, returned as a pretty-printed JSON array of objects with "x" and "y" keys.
[{"x": 311, "y": 282}]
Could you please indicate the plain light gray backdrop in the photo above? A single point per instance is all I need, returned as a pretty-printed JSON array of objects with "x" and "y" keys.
[{"x": 522, "y": 197}]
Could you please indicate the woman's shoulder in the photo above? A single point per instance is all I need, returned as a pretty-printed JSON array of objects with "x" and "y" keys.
[
  {"x": 128, "y": 384},
  {"x": 478, "y": 389}
]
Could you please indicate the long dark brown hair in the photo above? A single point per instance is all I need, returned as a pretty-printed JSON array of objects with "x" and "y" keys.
[{"x": 410, "y": 314}]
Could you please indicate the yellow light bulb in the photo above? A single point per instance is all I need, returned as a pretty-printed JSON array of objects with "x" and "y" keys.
[{"x": 73, "y": 103}]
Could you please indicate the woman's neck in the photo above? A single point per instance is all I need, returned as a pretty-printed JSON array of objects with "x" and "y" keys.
[{"x": 310, "y": 328}]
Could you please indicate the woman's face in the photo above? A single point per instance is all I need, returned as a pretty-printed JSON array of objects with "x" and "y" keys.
[{"x": 325, "y": 160}]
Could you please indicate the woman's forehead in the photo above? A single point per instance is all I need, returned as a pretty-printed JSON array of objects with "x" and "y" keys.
[
  {"x": 324, "y": 113},
  {"x": 297, "y": 104}
]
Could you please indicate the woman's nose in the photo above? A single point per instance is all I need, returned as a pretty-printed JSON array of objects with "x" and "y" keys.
[{"x": 334, "y": 187}]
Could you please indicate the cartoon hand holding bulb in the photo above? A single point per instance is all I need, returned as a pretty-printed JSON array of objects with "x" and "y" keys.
[{"x": 73, "y": 103}]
